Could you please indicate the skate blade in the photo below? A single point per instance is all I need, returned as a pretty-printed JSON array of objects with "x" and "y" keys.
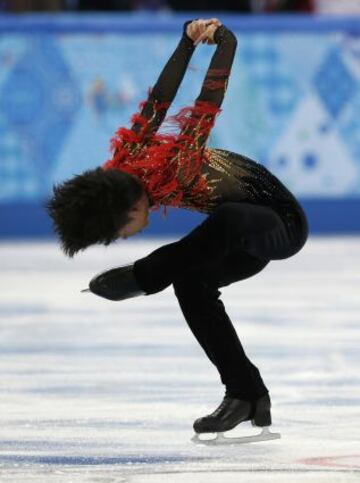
[
  {"x": 85, "y": 290},
  {"x": 220, "y": 439}
]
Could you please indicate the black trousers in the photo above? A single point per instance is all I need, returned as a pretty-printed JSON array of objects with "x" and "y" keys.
[{"x": 236, "y": 241}]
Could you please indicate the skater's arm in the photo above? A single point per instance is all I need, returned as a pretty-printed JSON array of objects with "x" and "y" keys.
[
  {"x": 217, "y": 76},
  {"x": 212, "y": 93},
  {"x": 127, "y": 143},
  {"x": 163, "y": 93}
]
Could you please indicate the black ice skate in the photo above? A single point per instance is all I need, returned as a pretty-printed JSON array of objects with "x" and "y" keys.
[
  {"x": 229, "y": 414},
  {"x": 115, "y": 284}
]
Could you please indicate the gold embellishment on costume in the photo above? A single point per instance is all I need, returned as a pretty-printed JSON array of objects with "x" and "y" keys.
[
  {"x": 153, "y": 115},
  {"x": 135, "y": 148},
  {"x": 212, "y": 184},
  {"x": 200, "y": 201},
  {"x": 221, "y": 161},
  {"x": 178, "y": 166}
]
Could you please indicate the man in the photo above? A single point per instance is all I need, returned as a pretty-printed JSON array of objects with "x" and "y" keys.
[{"x": 252, "y": 220}]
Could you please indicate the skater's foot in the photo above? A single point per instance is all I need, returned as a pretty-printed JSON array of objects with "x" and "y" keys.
[
  {"x": 116, "y": 284},
  {"x": 232, "y": 412}
]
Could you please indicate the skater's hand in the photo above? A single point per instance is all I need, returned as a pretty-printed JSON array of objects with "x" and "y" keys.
[
  {"x": 202, "y": 30},
  {"x": 207, "y": 37}
]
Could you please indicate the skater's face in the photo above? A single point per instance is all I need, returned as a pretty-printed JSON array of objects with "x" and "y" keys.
[{"x": 139, "y": 215}]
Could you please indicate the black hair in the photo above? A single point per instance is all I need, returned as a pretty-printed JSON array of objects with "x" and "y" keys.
[{"x": 92, "y": 207}]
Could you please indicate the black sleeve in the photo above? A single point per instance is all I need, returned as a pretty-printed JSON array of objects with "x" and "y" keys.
[
  {"x": 163, "y": 93},
  {"x": 213, "y": 90},
  {"x": 217, "y": 76}
]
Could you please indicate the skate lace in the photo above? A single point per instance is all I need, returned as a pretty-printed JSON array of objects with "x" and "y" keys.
[{"x": 219, "y": 409}]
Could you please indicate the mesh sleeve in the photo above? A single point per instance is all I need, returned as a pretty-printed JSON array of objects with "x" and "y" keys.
[
  {"x": 207, "y": 105},
  {"x": 154, "y": 109}
]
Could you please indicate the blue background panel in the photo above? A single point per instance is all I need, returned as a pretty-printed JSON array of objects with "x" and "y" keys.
[{"x": 28, "y": 220}]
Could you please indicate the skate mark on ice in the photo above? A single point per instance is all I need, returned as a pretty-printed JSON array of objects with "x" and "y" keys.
[
  {"x": 95, "y": 460},
  {"x": 334, "y": 461},
  {"x": 182, "y": 471}
]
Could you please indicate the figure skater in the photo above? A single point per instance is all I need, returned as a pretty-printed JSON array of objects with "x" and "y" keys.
[{"x": 252, "y": 218}]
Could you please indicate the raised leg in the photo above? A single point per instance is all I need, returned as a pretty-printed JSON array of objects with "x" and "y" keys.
[{"x": 232, "y": 227}]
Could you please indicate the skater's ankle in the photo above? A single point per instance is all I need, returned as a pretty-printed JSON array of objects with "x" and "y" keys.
[{"x": 244, "y": 395}]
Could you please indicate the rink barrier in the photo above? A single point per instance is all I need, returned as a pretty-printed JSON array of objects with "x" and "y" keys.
[{"x": 29, "y": 220}]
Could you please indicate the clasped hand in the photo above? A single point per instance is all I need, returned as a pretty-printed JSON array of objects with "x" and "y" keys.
[{"x": 203, "y": 30}]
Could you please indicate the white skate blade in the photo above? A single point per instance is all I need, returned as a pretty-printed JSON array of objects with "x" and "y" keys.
[{"x": 220, "y": 439}]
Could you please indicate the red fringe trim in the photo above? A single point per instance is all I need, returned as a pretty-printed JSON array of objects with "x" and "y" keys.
[{"x": 158, "y": 162}]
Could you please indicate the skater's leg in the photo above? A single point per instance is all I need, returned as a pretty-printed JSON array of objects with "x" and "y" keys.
[
  {"x": 257, "y": 230},
  {"x": 205, "y": 314}
]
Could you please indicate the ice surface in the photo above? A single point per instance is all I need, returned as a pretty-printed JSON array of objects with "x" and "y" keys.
[{"x": 100, "y": 391}]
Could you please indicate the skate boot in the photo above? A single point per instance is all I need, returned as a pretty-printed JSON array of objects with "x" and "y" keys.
[
  {"x": 232, "y": 412},
  {"x": 115, "y": 284}
]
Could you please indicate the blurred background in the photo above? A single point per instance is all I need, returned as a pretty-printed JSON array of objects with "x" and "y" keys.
[
  {"x": 236, "y": 6},
  {"x": 96, "y": 391},
  {"x": 73, "y": 71},
  {"x": 247, "y": 6}
]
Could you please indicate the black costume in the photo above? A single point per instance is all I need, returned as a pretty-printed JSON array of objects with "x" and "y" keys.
[{"x": 253, "y": 218}]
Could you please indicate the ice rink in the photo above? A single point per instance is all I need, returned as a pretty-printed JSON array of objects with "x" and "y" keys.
[{"x": 106, "y": 392}]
